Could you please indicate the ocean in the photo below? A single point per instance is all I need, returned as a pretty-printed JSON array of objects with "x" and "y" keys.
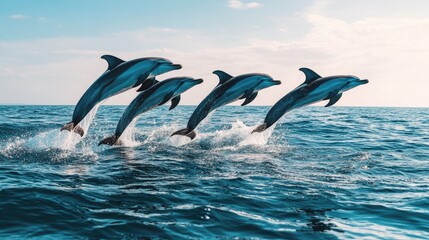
[{"x": 322, "y": 173}]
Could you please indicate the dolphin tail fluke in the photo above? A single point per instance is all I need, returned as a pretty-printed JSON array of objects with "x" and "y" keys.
[
  {"x": 71, "y": 127},
  {"x": 185, "y": 132},
  {"x": 260, "y": 128},
  {"x": 109, "y": 140},
  {"x": 79, "y": 130}
]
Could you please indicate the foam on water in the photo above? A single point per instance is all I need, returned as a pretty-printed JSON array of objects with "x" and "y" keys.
[
  {"x": 64, "y": 141},
  {"x": 178, "y": 141},
  {"x": 238, "y": 135},
  {"x": 128, "y": 138},
  {"x": 257, "y": 138},
  {"x": 159, "y": 135},
  {"x": 86, "y": 122},
  {"x": 67, "y": 143},
  {"x": 313, "y": 177}
]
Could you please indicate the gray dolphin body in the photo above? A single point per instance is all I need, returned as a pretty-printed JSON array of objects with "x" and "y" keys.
[
  {"x": 156, "y": 95},
  {"x": 229, "y": 90},
  {"x": 314, "y": 89},
  {"x": 120, "y": 76}
]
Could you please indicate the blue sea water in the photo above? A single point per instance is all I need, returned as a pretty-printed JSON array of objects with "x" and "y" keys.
[{"x": 322, "y": 173}]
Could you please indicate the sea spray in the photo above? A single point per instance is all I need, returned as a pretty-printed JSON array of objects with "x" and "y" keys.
[
  {"x": 237, "y": 136},
  {"x": 67, "y": 143},
  {"x": 127, "y": 138},
  {"x": 160, "y": 134},
  {"x": 86, "y": 122},
  {"x": 256, "y": 138},
  {"x": 179, "y": 140}
]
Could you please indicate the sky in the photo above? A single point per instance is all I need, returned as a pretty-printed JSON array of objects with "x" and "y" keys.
[{"x": 50, "y": 50}]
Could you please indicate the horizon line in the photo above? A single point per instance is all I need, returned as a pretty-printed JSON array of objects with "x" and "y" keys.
[{"x": 23, "y": 104}]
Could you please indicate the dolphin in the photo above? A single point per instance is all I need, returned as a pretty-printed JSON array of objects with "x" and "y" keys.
[
  {"x": 120, "y": 76},
  {"x": 154, "y": 96},
  {"x": 228, "y": 90},
  {"x": 314, "y": 89}
]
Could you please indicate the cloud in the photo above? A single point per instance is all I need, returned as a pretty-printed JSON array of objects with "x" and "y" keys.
[
  {"x": 238, "y": 4},
  {"x": 390, "y": 52},
  {"x": 18, "y": 17}
]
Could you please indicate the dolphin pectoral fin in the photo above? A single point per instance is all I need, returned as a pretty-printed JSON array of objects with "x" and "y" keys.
[
  {"x": 167, "y": 98},
  {"x": 247, "y": 93},
  {"x": 109, "y": 140},
  {"x": 185, "y": 132},
  {"x": 170, "y": 96},
  {"x": 174, "y": 102},
  {"x": 147, "y": 84},
  {"x": 112, "y": 61},
  {"x": 250, "y": 98},
  {"x": 310, "y": 75},
  {"x": 144, "y": 76},
  {"x": 141, "y": 79},
  {"x": 223, "y": 76},
  {"x": 260, "y": 128},
  {"x": 334, "y": 99},
  {"x": 332, "y": 94}
]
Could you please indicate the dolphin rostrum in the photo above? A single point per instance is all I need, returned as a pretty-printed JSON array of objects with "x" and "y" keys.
[
  {"x": 228, "y": 90},
  {"x": 314, "y": 89},
  {"x": 154, "y": 96},
  {"x": 119, "y": 77}
]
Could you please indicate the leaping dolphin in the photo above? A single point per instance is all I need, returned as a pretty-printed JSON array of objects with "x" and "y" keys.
[
  {"x": 228, "y": 90},
  {"x": 156, "y": 95},
  {"x": 314, "y": 89},
  {"x": 120, "y": 76}
]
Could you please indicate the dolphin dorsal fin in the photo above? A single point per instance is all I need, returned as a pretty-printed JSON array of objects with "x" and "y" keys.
[
  {"x": 112, "y": 61},
  {"x": 310, "y": 75},
  {"x": 223, "y": 76}
]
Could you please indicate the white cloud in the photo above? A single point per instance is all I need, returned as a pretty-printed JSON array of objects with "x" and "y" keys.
[
  {"x": 283, "y": 30},
  {"x": 390, "y": 52},
  {"x": 18, "y": 17},
  {"x": 238, "y": 4}
]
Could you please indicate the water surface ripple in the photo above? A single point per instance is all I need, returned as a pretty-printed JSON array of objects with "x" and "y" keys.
[{"x": 323, "y": 173}]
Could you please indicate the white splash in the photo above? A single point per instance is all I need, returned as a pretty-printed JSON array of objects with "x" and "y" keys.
[
  {"x": 127, "y": 138},
  {"x": 86, "y": 122},
  {"x": 237, "y": 136},
  {"x": 178, "y": 140},
  {"x": 257, "y": 138},
  {"x": 56, "y": 139}
]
